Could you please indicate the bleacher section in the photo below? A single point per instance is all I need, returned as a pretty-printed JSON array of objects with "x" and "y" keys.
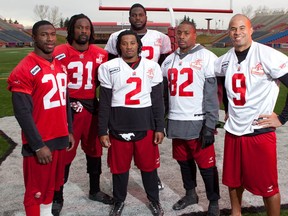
[
  {"x": 12, "y": 36},
  {"x": 273, "y": 37}
]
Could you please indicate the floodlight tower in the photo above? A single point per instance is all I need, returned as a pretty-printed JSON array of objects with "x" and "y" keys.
[{"x": 208, "y": 24}]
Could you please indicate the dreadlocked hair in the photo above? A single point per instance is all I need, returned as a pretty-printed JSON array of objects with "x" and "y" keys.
[{"x": 71, "y": 27}]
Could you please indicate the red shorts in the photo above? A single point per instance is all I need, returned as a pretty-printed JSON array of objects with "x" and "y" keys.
[
  {"x": 251, "y": 162},
  {"x": 184, "y": 150},
  {"x": 145, "y": 153},
  {"x": 85, "y": 127},
  {"x": 42, "y": 178}
]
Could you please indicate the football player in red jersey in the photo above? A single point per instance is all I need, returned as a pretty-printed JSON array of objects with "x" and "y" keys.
[
  {"x": 82, "y": 59},
  {"x": 132, "y": 108},
  {"x": 38, "y": 85}
]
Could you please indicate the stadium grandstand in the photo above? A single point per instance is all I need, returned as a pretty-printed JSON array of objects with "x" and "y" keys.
[
  {"x": 12, "y": 35},
  {"x": 269, "y": 28}
]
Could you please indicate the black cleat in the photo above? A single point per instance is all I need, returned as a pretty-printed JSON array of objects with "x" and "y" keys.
[
  {"x": 156, "y": 208},
  {"x": 188, "y": 199},
  {"x": 117, "y": 209},
  {"x": 213, "y": 209},
  {"x": 56, "y": 208},
  {"x": 101, "y": 197}
]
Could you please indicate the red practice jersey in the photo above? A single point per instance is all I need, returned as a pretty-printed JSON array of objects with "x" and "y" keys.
[
  {"x": 46, "y": 83},
  {"x": 82, "y": 69}
]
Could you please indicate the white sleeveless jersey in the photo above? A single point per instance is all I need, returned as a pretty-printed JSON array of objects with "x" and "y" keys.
[
  {"x": 131, "y": 87},
  {"x": 154, "y": 44},
  {"x": 252, "y": 86},
  {"x": 186, "y": 79}
]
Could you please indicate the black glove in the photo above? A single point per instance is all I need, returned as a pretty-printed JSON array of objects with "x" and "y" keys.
[{"x": 207, "y": 136}]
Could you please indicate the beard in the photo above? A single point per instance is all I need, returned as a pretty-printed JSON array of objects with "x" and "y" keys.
[
  {"x": 137, "y": 27},
  {"x": 82, "y": 39}
]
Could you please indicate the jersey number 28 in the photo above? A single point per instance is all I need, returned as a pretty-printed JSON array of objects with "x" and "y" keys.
[{"x": 58, "y": 85}]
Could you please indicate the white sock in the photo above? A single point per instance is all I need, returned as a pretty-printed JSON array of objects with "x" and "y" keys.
[{"x": 46, "y": 210}]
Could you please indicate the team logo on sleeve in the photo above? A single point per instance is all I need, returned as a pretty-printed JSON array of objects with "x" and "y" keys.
[
  {"x": 150, "y": 73},
  {"x": 258, "y": 69},
  {"x": 35, "y": 70},
  {"x": 282, "y": 66},
  {"x": 197, "y": 64},
  {"x": 99, "y": 58},
  {"x": 158, "y": 42}
]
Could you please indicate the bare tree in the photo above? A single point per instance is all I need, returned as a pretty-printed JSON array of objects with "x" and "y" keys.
[
  {"x": 51, "y": 14},
  {"x": 262, "y": 10},
  {"x": 41, "y": 11},
  {"x": 248, "y": 11},
  {"x": 55, "y": 16}
]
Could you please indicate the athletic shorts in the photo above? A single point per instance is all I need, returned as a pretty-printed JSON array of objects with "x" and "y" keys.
[
  {"x": 184, "y": 150},
  {"x": 145, "y": 153},
  {"x": 85, "y": 127},
  {"x": 42, "y": 178},
  {"x": 251, "y": 162}
]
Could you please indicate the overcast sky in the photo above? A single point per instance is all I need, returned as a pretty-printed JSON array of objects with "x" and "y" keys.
[{"x": 22, "y": 11}]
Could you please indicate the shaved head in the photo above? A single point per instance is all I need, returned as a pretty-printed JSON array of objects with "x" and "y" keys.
[
  {"x": 243, "y": 17},
  {"x": 240, "y": 32}
]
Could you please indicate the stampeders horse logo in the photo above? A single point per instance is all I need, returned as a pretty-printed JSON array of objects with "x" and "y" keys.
[
  {"x": 127, "y": 136},
  {"x": 158, "y": 42},
  {"x": 150, "y": 73},
  {"x": 99, "y": 58},
  {"x": 197, "y": 64},
  {"x": 282, "y": 66},
  {"x": 258, "y": 69}
]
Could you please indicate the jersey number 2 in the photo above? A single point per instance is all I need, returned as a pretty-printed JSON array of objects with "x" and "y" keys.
[{"x": 128, "y": 97}]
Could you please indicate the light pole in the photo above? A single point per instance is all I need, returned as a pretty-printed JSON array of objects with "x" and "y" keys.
[{"x": 208, "y": 24}]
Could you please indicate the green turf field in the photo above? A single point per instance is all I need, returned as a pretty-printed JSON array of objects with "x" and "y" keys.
[{"x": 9, "y": 57}]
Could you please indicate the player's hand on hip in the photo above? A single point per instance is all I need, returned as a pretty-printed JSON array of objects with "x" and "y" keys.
[
  {"x": 158, "y": 137},
  {"x": 71, "y": 142},
  {"x": 269, "y": 121},
  {"x": 105, "y": 141},
  {"x": 44, "y": 155}
]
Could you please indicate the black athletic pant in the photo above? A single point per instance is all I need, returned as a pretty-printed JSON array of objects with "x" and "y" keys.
[
  {"x": 209, "y": 176},
  {"x": 149, "y": 179},
  {"x": 93, "y": 169}
]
